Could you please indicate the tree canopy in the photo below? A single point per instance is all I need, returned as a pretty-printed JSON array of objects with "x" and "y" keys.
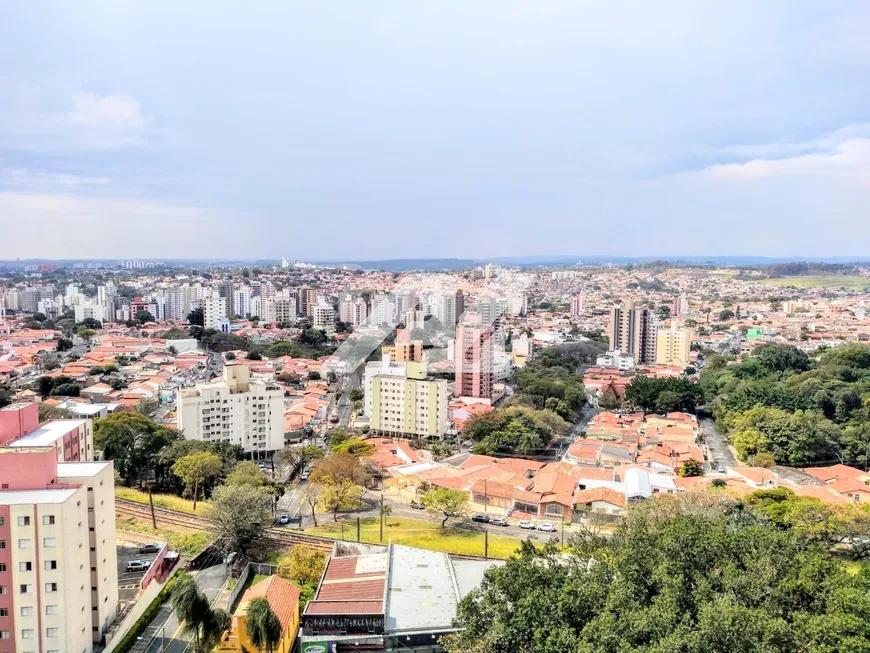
[
  {"x": 132, "y": 442},
  {"x": 675, "y": 576}
]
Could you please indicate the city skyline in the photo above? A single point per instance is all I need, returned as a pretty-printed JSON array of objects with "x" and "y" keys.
[{"x": 538, "y": 129}]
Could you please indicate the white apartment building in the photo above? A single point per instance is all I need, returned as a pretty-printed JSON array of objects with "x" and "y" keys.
[
  {"x": 242, "y": 301},
  {"x": 323, "y": 315},
  {"x": 401, "y": 400},
  {"x": 285, "y": 310},
  {"x": 236, "y": 409},
  {"x": 214, "y": 310},
  {"x": 94, "y": 311},
  {"x": 615, "y": 359},
  {"x": 58, "y": 578}
]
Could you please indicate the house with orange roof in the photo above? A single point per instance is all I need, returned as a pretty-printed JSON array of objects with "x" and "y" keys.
[{"x": 283, "y": 599}]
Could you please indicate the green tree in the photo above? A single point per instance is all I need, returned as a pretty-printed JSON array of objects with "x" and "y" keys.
[
  {"x": 706, "y": 576},
  {"x": 198, "y": 620},
  {"x": 196, "y": 470},
  {"x": 133, "y": 442},
  {"x": 304, "y": 565},
  {"x": 354, "y": 446},
  {"x": 144, "y": 316},
  {"x": 196, "y": 317},
  {"x": 445, "y": 502},
  {"x": 239, "y": 516},
  {"x": 691, "y": 467},
  {"x": 263, "y": 626}
]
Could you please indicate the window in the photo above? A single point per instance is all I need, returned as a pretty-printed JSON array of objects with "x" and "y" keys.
[
  {"x": 49, "y": 542},
  {"x": 25, "y": 588},
  {"x": 4, "y": 612},
  {"x": 4, "y": 634},
  {"x": 2, "y": 589},
  {"x": 24, "y": 544},
  {"x": 24, "y": 521},
  {"x": 2, "y": 521},
  {"x": 50, "y": 609},
  {"x": 51, "y": 632},
  {"x": 25, "y": 566},
  {"x": 49, "y": 565},
  {"x": 51, "y": 587},
  {"x": 47, "y": 520},
  {"x": 2, "y": 566},
  {"x": 2, "y": 544},
  {"x": 27, "y": 633},
  {"x": 27, "y": 611}
]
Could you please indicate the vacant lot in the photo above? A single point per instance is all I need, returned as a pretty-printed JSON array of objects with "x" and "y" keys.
[
  {"x": 419, "y": 533},
  {"x": 832, "y": 281}
]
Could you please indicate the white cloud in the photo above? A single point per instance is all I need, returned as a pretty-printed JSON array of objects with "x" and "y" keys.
[
  {"x": 843, "y": 154},
  {"x": 31, "y": 180},
  {"x": 82, "y": 121}
]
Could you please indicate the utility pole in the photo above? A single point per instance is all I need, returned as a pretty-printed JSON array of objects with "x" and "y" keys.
[
  {"x": 563, "y": 529},
  {"x": 381, "y": 539},
  {"x": 486, "y": 543},
  {"x": 151, "y": 501},
  {"x": 357, "y": 529}
]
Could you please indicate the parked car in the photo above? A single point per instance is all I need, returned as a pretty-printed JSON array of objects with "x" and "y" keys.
[
  {"x": 417, "y": 506},
  {"x": 284, "y": 519},
  {"x": 720, "y": 469},
  {"x": 547, "y": 527},
  {"x": 305, "y": 475},
  {"x": 138, "y": 565},
  {"x": 150, "y": 547},
  {"x": 483, "y": 519},
  {"x": 497, "y": 521},
  {"x": 528, "y": 525}
]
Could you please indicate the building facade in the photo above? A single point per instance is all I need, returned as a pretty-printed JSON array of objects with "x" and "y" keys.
[
  {"x": 673, "y": 346},
  {"x": 236, "y": 409},
  {"x": 631, "y": 331},
  {"x": 401, "y": 400},
  {"x": 473, "y": 357}
]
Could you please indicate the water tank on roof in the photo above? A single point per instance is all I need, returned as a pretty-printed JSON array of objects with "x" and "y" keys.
[{"x": 637, "y": 484}]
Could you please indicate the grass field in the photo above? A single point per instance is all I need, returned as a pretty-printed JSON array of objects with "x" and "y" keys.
[
  {"x": 170, "y": 501},
  {"x": 188, "y": 543},
  {"x": 419, "y": 533},
  {"x": 852, "y": 282}
]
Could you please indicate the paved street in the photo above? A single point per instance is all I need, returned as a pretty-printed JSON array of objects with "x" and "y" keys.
[
  {"x": 164, "y": 632},
  {"x": 717, "y": 444}
]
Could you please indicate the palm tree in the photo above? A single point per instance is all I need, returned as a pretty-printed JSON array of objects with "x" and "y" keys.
[
  {"x": 199, "y": 621},
  {"x": 529, "y": 441},
  {"x": 264, "y": 628}
]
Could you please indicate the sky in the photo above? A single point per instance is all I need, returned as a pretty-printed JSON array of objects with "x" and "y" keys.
[{"x": 414, "y": 129}]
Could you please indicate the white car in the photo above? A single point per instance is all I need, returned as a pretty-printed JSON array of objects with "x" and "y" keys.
[
  {"x": 528, "y": 525},
  {"x": 547, "y": 527}
]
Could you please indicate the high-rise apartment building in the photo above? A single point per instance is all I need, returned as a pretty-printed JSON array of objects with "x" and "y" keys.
[
  {"x": 323, "y": 315},
  {"x": 673, "y": 346},
  {"x": 631, "y": 331},
  {"x": 473, "y": 357},
  {"x": 681, "y": 305},
  {"x": 576, "y": 305},
  {"x": 58, "y": 563},
  {"x": 383, "y": 309},
  {"x": 242, "y": 301},
  {"x": 226, "y": 291},
  {"x": 404, "y": 350},
  {"x": 401, "y": 400},
  {"x": 306, "y": 300},
  {"x": 414, "y": 319},
  {"x": 214, "y": 311},
  {"x": 285, "y": 310},
  {"x": 235, "y": 409}
]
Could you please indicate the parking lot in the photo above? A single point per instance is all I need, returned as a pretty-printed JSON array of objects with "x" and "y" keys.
[{"x": 128, "y": 581}]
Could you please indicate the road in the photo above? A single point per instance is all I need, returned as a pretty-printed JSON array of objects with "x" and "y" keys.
[
  {"x": 717, "y": 444},
  {"x": 345, "y": 405},
  {"x": 164, "y": 629}
]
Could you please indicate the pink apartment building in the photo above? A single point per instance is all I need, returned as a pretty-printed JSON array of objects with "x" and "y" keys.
[{"x": 473, "y": 356}]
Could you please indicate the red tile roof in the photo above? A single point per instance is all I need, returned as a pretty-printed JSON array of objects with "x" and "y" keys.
[{"x": 283, "y": 598}]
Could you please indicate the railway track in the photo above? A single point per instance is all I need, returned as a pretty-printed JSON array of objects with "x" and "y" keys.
[{"x": 169, "y": 517}]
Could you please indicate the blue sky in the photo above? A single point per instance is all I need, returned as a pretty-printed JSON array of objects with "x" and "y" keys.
[{"x": 425, "y": 129}]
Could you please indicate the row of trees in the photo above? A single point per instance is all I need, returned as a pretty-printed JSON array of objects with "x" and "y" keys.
[
  {"x": 797, "y": 409},
  {"x": 552, "y": 381}
]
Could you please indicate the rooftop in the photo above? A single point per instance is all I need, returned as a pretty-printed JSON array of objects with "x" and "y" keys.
[
  {"x": 49, "y": 433},
  {"x": 18, "y": 497},
  {"x": 75, "y": 470}
]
